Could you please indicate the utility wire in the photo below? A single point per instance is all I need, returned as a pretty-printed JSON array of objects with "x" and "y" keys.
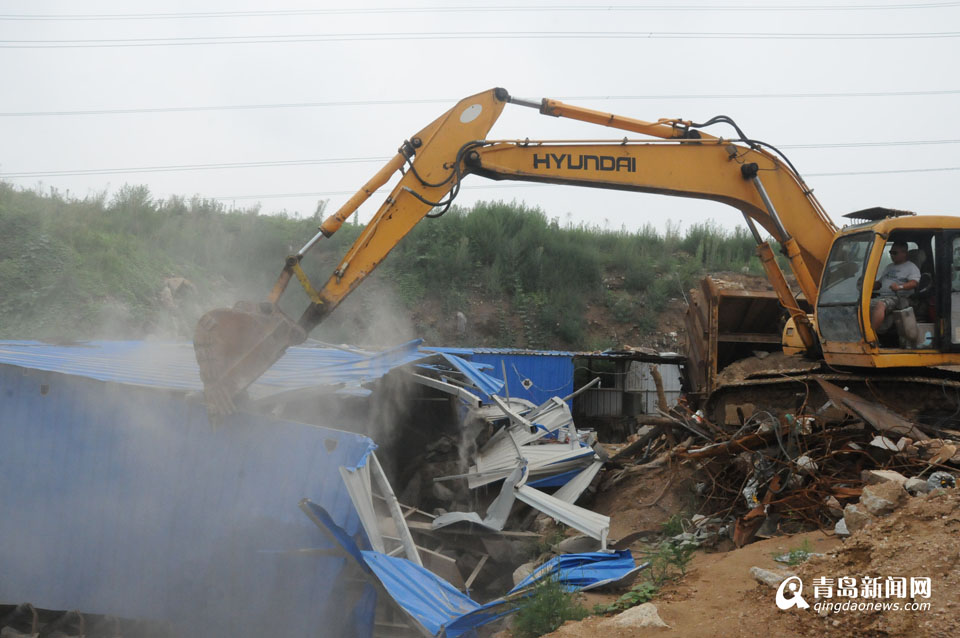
[
  {"x": 475, "y": 9},
  {"x": 464, "y": 35},
  {"x": 890, "y": 172},
  {"x": 501, "y": 185},
  {"x": 192, "y": 167},
  {"x": 836, "y": 174},
  {"x": 329, "y": 193},
  {"x": 294, "y": 105},
  {"x": 358, "y": 160}
]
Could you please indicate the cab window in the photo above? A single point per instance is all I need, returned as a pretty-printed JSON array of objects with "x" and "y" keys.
[{"x": 838, "y": 304}]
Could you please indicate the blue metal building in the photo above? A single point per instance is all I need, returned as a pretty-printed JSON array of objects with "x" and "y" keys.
[
  {"x": 535, "y": 375},
  {"x": 119, "y": 497}
]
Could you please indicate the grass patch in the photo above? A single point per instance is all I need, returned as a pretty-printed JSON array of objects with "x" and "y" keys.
[
  {"x": 638, "y": 594},
  {"x": 548, "y": 607},
  {"x": 798, "y": 555}
]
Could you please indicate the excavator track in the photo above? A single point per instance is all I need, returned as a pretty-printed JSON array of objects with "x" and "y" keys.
[{"x": 932, "y": 399}]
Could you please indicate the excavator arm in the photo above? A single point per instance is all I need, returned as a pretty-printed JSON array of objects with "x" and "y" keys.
[{"x": 235, "y": 346}]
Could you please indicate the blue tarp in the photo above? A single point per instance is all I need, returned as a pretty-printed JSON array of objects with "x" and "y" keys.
[
  {"x": 443, "y": 609},
  {"x": 434, "y": 602},
  {"x": 580, "y": 571}
]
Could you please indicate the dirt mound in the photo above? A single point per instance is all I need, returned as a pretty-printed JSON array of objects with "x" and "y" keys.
[
  {"x": 917, "y": 541},
  {"x": 718, "y": 597}
]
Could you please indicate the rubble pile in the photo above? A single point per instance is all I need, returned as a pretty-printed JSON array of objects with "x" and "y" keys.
[{"x": 827, "y": 467}]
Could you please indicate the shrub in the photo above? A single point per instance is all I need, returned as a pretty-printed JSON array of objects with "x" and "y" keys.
[{"x": 544, "y": 610}]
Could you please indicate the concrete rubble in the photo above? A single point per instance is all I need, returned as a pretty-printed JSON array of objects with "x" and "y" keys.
[
  {"x": 645, "y": 615},
  {"x": 769, "y": 577}
]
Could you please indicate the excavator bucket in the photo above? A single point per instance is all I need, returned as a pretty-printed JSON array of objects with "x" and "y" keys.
[{"x": 235, "y": 346}]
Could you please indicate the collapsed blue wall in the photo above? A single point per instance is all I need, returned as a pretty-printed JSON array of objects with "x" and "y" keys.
[
  {"x": 550, "y": 375},
  {"x": 124, "y": 500}
]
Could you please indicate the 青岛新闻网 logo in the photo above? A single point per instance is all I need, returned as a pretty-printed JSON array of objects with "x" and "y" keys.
[{"x": 795, "y": 586}]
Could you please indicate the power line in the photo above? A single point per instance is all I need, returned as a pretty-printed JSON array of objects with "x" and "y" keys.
[
  {"x": 832, "y": 174},
  {"x": 191, "y": 167},
  {"x": 890, "y": 172},
  {"x": 863, "y": 144},
  {"x": 464, "y": 35},
  {"x": 340, "y": 103},
  {"x": 329, "y": 193},
  {"x": 475, "y": 9},
  {"x": 359, "y": 160}
]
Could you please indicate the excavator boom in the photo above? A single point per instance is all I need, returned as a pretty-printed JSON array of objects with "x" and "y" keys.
[{"x": 674, "y": 157}]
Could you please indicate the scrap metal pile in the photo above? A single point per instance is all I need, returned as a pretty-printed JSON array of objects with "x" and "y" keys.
[
  {"x": 539, "y": 447},
  {"x": 784, "y": 472}
]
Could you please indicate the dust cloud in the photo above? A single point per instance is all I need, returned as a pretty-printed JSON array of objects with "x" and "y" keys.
[{"x": 124, "y": 500}]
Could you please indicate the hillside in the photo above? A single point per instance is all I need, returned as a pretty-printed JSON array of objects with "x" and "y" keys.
[{"x": 132, "y": 266}]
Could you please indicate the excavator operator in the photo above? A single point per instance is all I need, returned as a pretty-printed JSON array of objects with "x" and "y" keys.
[{"x": 900, "y": 275}]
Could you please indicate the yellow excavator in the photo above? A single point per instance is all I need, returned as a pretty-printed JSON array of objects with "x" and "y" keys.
[{"x": 671, "y": 157}]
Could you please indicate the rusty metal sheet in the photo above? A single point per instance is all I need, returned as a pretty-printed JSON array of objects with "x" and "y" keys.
[{"x": 876, "y": 415}]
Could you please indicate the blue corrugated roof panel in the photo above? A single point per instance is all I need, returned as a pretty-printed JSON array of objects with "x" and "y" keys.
[
  {"x": 535, "y": 375},
  {"x": 173, "y": 366},
  {"x": 125, "y": 500},
  {"x": 518, "y": 351}
]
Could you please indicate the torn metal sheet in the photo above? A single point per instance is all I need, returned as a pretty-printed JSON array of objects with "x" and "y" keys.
[
  {"x": 547, "y": 419},
  {"x": 461, "y": 393},
  {"x": 542, "y": 460},
  {"x": 484, "y": 382},
  {"x": 497, "y": 513},
  {"x": 881, "y": 418},
  {"x": 491, "y": 412},
  {"x": 590, "y": 523},
  {"x": 552, "y": 419},
  {"x": 576, "y": 486}
]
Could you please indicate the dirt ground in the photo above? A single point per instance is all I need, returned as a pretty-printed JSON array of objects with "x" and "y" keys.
[
  {"x": 644, "y": 500},
  {"x": 718, "y": 597}
]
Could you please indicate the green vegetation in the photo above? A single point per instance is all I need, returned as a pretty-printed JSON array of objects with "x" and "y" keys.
[
  {"x": 548, "y": 607},
  {"x": 672, "y": 526},
  {"x": 95, "y": 268},
  {"x": 638, "y": 594},
  {"x": 798, "y": 555},
  {"x": 669, "y": 560}
]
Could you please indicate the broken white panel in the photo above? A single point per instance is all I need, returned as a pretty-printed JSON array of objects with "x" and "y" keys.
[
  {"x": 884, "y": 443},
  {"x": 541, "y": 460},
  {"x": 553, "y": 418},
  {"x": 462, "y": 393},
  {"x": 590, "y": 523},
  {"x": 497, "y": 513},
  {"x": 357, "y": 482},
  {"x": 493, "y": 412},
  {"x": 575, "y": 486},
  {"x": 548, "y": 418},
  {"x": 360, "y": 482}
]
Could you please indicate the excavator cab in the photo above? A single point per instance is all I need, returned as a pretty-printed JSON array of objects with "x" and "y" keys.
[{"x": 924, "y": 326}]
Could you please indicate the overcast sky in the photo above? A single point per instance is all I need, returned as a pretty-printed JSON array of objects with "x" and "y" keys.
[{"x": 776, "y": 67}]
